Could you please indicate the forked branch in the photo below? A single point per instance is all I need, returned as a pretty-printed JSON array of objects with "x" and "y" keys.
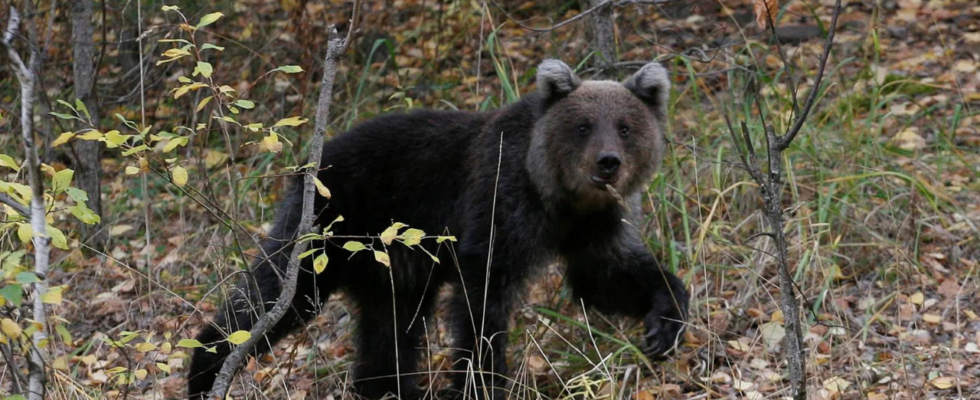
[{"x": 770, "y": 185}]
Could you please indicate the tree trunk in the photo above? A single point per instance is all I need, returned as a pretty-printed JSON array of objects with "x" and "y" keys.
[
  {"x": 602, "y": 38},
  {"x": 27, "y": 79},
  {"x": 89, "y": 168}
]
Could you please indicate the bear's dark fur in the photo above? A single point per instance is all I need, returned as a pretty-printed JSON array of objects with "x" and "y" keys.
[{"x": 520, "y": 187}]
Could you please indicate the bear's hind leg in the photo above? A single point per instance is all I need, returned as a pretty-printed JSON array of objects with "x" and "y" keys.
[{"x": 381, "y": 343}]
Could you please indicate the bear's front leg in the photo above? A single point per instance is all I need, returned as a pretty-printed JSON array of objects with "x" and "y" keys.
[
  {"x": 479, "y": 313},
  {"x": 618, "y": 275}
]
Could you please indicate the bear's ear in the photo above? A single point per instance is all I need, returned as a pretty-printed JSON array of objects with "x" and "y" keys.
[
  {"x": 556, "y": 80},
  {"x": 652, "y": 85}
]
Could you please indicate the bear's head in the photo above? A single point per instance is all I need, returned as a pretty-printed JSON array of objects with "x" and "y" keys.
[{"x": 594, "y": 135}]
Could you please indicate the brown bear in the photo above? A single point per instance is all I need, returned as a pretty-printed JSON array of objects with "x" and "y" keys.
[{"x": 555, "y": 177}]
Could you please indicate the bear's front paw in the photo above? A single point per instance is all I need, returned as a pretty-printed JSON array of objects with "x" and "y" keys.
[{"x": 665, "y": 327}]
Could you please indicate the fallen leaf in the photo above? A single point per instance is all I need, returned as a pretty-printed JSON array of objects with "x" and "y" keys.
[
  {"x": 836, "y": 384},
  {"x": 943, "y": 382}
]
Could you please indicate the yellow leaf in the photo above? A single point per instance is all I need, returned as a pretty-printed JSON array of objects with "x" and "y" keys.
[
  {"x": 164, "y": 367},
  {"x": 120, "y": 229},
  {"x": 113, "y": 139},
  {"x": 176, "y": 52},
  {"x": 291, "y": 121},
  {"x": 91, "y": 135},
  {"x": 203, "y": 103},
  {"x": 412, "y": 237},
  {"x": 145, "y": 347},
  {"x": 140, "y": 374},
  {"x": 932, "y": 318},
  {"x": 213, "y": 158},
  {"x": 53, "y": 295},
  {"x": 10, "y": 328},
  {"x": 383, "y": 258},
  {"x": 239, "y": 337},
  {"x": 25, "y": 232},
  {"x": 917, "y": 298},
  {"x": 391, "y": 232},
  {"x": 320, "y": 263},
  {"x": 179, "y": 176},
  {"x": 173, "y": 143},
  {"x": 131, "y": 170},
  {"x": 60, "y": 363},
  {"x": 62, "y": 139},
  {"x": 321, "y": 189},
  {"x": 271, "y": 143}
]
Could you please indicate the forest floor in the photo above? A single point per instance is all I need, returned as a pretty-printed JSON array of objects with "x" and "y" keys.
[{"x": 882, "y": 201}]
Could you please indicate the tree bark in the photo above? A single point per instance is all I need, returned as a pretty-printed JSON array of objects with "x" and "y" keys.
[
  {"x": 89, "y": 168},
  {"x": 602, "y": 37}
]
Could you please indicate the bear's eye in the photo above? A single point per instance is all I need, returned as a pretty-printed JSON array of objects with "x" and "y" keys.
[
  {"x": 583, "y": 129},
  {"x": 624, "y": 131}
]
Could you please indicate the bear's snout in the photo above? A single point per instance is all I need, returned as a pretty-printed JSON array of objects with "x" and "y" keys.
[{"x": 607, "y": 167}]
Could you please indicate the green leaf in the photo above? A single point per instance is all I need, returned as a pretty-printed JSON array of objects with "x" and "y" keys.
[
  {"x": 248, "y": 105},
  {"x": 81, "y": 106},
  {"x": 84, "y": 214},
  {"x": 13, "y": 293},
  {"x": 239, "y": 337},
  {"x": 291, "y": 121},
  {"x": 354, "y": 246},
  {"x": 204, "y": 68},
  {"x": 207, "y": 46},
  {"x": 27, "y": 277},
  {"x": 289, "y": 69},
  {"x": 61, "y": 180},
  {"x": 57, "y": 237},
  {"x": 307, "y": 253},
  {"x": 412, "y": 237},
  {"x": 209, "y": 19},
  {"x": 63, "y": 116},
  {"x": 320, "y": 263},
  {"x": 65, "y": 335},
  {"x": 169, "y": 8},
  {"x": 189, "y": 343},
  {"x": 7, "y": 161},
  {"x": 77, "y": 194}
]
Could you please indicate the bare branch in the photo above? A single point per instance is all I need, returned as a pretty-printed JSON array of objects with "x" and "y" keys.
[
  {"x": 20, "y": 208},
  {"x": 785, "y": 140},
  {"x": 336, "y": 47}
]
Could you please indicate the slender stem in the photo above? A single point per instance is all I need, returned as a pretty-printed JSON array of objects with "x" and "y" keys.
[
  {"x": 784, "y": 141},
  {"x": 336, "y": 47}
]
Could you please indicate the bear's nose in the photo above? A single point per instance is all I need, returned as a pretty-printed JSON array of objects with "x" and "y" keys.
[{"x": 608, "y": 163}]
